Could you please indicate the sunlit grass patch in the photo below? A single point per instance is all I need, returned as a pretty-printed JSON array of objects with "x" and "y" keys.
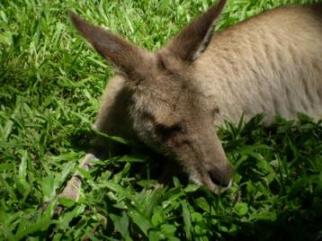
[{"x": 50, "y": 83}]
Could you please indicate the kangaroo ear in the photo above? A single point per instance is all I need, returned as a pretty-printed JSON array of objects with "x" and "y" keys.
[
  {"x": 194, "y": 38},
  {"x": 121, "y": 53}
]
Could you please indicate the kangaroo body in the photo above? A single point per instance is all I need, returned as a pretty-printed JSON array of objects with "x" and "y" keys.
[{"x": 271, "y": 64}]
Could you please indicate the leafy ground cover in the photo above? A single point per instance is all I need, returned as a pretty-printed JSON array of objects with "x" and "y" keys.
[{"x": 50, "y": 82}]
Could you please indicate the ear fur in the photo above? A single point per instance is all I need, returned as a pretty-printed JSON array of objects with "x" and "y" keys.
[
  {"x": 194, "y": 38},
  {"x": 121, "y": 53}
]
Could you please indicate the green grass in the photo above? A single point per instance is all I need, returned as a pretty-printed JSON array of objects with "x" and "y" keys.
[{"x": 50, "y": 83}]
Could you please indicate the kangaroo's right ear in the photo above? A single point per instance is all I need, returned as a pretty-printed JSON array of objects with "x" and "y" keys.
[
  {"x": 127, "y": 57},
  {"x": 194, "y": 38}
]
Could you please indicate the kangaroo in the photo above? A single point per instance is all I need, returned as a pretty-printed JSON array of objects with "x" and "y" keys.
[{"x": 173, "y": 100}]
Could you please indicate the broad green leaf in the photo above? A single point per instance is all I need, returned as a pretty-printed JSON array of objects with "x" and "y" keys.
[
  {"x": 142, "y": 222},
  {"x": 186, "y": 220},
  {"x": 121, "y": 224},
  {"x": 241, "y": 209}
]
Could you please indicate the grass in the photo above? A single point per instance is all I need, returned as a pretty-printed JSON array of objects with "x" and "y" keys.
[{"x": 50, "y": 81}]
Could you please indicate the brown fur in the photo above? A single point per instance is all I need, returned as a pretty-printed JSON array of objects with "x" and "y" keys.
[{"x": 173, "y": 99}]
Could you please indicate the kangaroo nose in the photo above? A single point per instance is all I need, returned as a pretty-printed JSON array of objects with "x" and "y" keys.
[{"x": 221, "y": 176}]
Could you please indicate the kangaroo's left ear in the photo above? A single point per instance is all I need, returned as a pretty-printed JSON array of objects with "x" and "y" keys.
[
  {"x": 194, "y": 38},
  {"x": 128, "y": 58}
]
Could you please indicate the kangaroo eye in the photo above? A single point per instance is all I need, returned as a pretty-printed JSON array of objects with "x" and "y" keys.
[
  {"x": 146, "y": 116},
  {"x": 168, "y": 131}
]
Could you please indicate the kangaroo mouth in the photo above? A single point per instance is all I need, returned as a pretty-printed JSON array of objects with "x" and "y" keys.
[{"x": 216, "y": 181}]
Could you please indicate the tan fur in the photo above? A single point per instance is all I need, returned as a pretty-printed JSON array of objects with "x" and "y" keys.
[
  {"x": 271, "y": 63},
  {"x": 172, "y": 100}
]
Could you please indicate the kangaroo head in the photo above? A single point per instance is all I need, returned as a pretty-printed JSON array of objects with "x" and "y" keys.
[{"x": 167, "y": 112}]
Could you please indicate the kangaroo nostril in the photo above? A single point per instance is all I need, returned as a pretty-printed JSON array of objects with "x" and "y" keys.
[{"x": 221, "y": 178}]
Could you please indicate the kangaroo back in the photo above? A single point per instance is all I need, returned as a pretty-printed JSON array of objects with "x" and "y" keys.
[{"x": 268, "y": 64}]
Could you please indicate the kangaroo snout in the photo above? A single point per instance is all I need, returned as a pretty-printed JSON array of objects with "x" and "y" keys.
[
  {"x": 216, "y": 178},
  {"x": 221, "y": 177}
]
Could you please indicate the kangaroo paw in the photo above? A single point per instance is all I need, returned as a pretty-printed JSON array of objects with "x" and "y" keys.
[{"x": 72, "y": 189}]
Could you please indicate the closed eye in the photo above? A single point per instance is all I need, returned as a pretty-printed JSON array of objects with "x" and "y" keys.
[
  {"x": 146, "y": 116},
  {"x": 167, "y": 132}
]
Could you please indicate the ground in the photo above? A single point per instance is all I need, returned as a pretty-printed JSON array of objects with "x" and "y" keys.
[{"x": 50, "y": 83}]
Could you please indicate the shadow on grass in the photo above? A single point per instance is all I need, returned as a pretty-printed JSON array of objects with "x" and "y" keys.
[
  {"x": 151, "y": 166},
  {"x": 300, "y": 225}
]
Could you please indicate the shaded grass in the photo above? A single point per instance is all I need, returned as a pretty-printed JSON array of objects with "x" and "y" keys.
[{"x": 50, "y": 82}]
